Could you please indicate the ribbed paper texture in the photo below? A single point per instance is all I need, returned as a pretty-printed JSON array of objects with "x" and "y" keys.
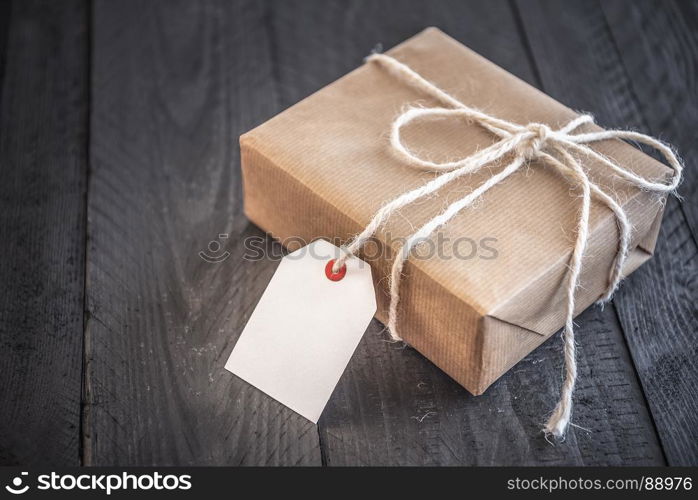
[{"x": 323, "y": 167}]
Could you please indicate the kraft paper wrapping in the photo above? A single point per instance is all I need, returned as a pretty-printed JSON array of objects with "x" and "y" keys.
[{"x": 323, "y": 167}]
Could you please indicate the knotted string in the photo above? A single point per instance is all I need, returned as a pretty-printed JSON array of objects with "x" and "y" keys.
[{"x": 522, "y": 143}]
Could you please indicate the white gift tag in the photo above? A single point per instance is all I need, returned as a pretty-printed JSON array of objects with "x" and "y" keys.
[{"x": 305, "y": 328}]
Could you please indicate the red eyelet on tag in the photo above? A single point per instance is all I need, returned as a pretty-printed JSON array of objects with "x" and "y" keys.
[{"x": 335, "y": 276}]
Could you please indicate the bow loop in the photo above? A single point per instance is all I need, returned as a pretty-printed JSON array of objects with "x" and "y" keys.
[{"x": 519, "y": 143}]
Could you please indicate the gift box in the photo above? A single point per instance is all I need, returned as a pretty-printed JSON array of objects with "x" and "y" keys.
[{"x": 489, "y": 287}]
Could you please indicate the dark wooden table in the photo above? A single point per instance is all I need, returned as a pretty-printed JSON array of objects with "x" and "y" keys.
[{"x": 119, "y": 163}]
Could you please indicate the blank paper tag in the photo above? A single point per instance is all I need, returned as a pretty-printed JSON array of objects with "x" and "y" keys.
[{"x": 305, "y": 328}]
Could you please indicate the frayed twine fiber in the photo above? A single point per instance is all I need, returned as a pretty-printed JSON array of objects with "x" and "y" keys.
[{"x": 524, "y": 143}]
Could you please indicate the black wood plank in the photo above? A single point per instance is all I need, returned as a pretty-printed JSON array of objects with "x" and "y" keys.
[
  {"x": 658, "y": 309},
  {"x": 657, "y": 42},
  {"x": 174, "y": 84},
  {"x": 43, "y": 165},
  {"x": 394, "y": 407},
  {"x": 656, "y": 305},
  {"x": 5, "y": 15}
]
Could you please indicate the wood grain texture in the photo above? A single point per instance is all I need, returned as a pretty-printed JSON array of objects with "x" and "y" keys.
[
  {"x": 656, "y": 305},
  {"x": 174, "y": 85},
  {"x": 658, "y": 47},
  {"x": 43, "y": 131},
  {"x": 393, "y": 407},
  {"x": 657, "y": 43}
]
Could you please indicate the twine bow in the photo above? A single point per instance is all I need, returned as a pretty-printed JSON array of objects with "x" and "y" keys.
[{"x": 521, "y": 143}]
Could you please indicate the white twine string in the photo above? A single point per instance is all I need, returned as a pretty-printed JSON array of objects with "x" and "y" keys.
[{"x": 521, "y": 143}]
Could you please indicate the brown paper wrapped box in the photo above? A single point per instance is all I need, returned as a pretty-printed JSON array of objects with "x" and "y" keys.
[{"x": 494, "y": 290}]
